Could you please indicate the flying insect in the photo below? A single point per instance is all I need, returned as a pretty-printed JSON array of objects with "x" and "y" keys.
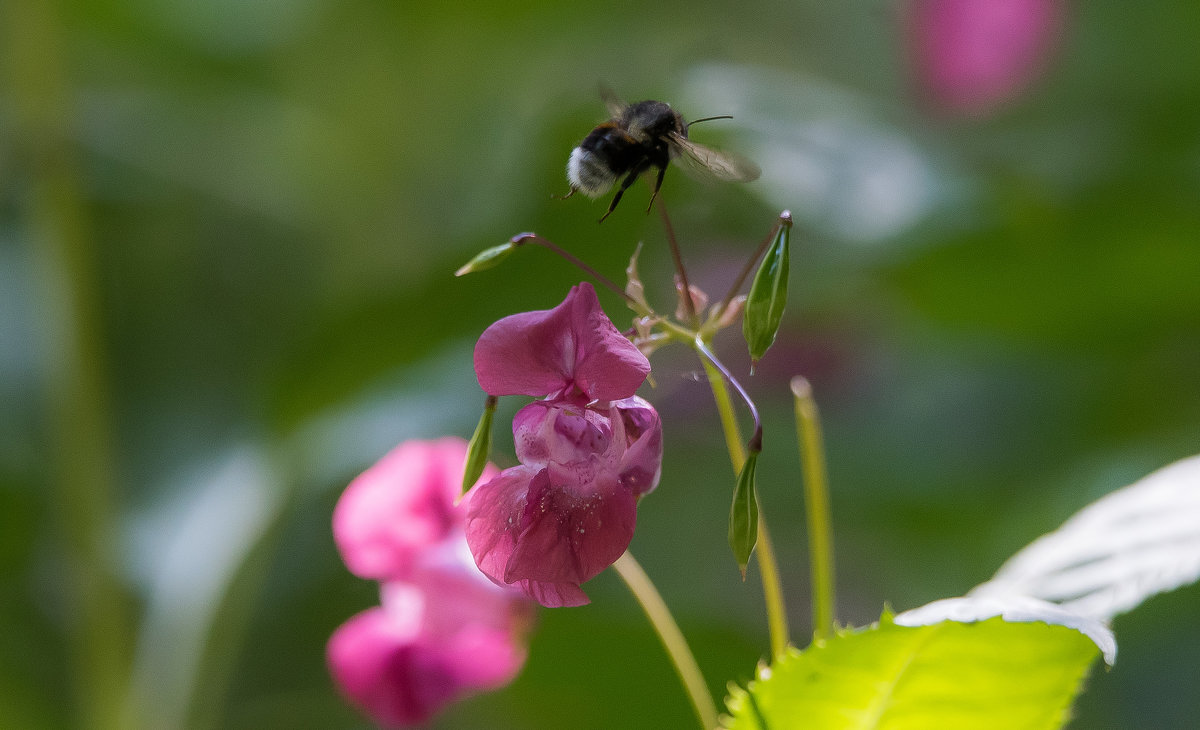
[{"x": 640, "y": 136}]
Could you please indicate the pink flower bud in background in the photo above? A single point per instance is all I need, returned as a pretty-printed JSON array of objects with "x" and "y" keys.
[
  {"x": 971, "y": 56},
  {"x": 432, "y": 642},
  {"x": 444, "y": 631},
  {"x": 394, "y": 511}
]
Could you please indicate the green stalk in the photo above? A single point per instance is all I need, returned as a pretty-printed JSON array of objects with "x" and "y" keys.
[
  {"x": 764, "y": 551},
  {"x": 672, "y": 638},
  {"x": 79, "y": 419},
  {"x": 816, "y": 497}
]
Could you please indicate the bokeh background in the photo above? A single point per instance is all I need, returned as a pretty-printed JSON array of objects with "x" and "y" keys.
[{"x": 227, "y": 237}]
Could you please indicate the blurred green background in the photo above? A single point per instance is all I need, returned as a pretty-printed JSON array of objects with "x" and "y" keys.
[{"x": 227, "y": 232}]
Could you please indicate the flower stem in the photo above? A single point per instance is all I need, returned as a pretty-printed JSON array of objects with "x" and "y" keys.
[
  {"x": 525, "y": 238},
  {"x": 764, "y": 552},
  {"x": 772, "y": 589},
  {"x": 83, "y": 487},
  {"x": 816, "y": 497},
  {"x": 689, "y": 305},
  {"x": 672, "y": 638}
]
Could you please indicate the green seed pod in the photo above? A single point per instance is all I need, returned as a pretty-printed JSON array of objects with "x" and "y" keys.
[
  {"x": 487, "y": 258},
  {"x": 768, "y": 294},
  {"x": 743, "y": 515}
]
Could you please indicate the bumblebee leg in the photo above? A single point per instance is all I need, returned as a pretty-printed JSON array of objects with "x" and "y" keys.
[
  {"x": 564, "y": 197},
  {"x": 657, "y": 184},
  {"x": 629, "y": 180}
]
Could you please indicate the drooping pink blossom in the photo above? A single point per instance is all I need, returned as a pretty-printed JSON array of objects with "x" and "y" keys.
[
  {"x": 587, "y": 452},
  {"x": 568, "y": 512},
  {"x": 549, "y": 351},
  {"x": 970, "y": 56},
  {"x": 444, "y": 630}
]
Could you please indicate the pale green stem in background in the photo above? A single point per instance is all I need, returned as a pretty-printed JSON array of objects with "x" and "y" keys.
[
  {"x": 79, "y": 418},
  {"x": 764, "y": 550},
  {"x": 816, "y": 497},
  {"x": 672, "y": 638}
]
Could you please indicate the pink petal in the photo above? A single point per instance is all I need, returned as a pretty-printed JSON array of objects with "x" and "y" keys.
[
  {"x": 483, "y": 658},
  {"x": 463, "y": 614},
  {"x": 553, "y": 595},
  {"x": 563, "y": 432},
  {"x": 547, "y": 351},
  {"x": 972, "y": 55},
  {"x": 494, "y": 511},
  {"x": 570, "y": 532},
  {"x": 455, "y": 595},
  {"x": 400, "y": 507},
  {"x": 539, "y": 531},
  {"x": 641, "y": 464},
  {"x": 384, "y": 673},
  {"x": 401, "y": 678}
]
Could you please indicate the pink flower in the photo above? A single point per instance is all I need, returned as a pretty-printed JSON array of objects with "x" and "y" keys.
[
  {"x": 444, "y": 631},
  {"x": 432, "y": 642},
  {"x": 394, "y": 511},
  {"x": 549, "y": 351},
  {"x": 625, "y": 437},
  {"x": 587, "y": 452},
  {"x": 973, "y": 55}
]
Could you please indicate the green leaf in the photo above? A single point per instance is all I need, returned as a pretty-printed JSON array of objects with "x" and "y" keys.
[
  {"x": 994, "y": 673},
  {"x": 768, "y": 294},
  {"x": 743, "y": 515},
  {"x": 1117, "y": 552},
  {"x": 480, "y": 445},
  {"x": 487, "y": 258}
]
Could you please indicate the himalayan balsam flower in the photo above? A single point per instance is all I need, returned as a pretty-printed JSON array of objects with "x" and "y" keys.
[
  {"x": 443, "y": 631},
  {"x": 587, "y": 452}
]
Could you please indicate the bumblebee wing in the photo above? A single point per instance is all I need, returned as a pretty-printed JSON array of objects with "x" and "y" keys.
[
  {"x": 616, "y": 107},
  {"x": 705, "y": 162}
]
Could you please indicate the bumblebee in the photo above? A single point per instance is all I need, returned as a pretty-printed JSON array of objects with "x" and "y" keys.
[{"x": 640, "y": 136}]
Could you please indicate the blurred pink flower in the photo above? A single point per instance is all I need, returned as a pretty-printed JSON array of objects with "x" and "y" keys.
[
  {"x": 444, "y": 630},
  {"x": 432, "y": 642},
  {"x": 548, "y": 351},
  {"x": 393, "y": 512},
  {"x": 569, "y": 510},
  {"x": 970, "y": 56}
]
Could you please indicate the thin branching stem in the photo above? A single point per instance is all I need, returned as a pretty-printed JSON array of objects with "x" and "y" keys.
[
  {"x": 689, "y": 307},
  {"x": 755, "y": 443},
  {"x": 522, "y": 239},
  {"x": 764, "y": 550}
]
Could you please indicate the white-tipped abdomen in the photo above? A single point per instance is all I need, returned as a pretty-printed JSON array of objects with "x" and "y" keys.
[{"x": 586, "y": 173}]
